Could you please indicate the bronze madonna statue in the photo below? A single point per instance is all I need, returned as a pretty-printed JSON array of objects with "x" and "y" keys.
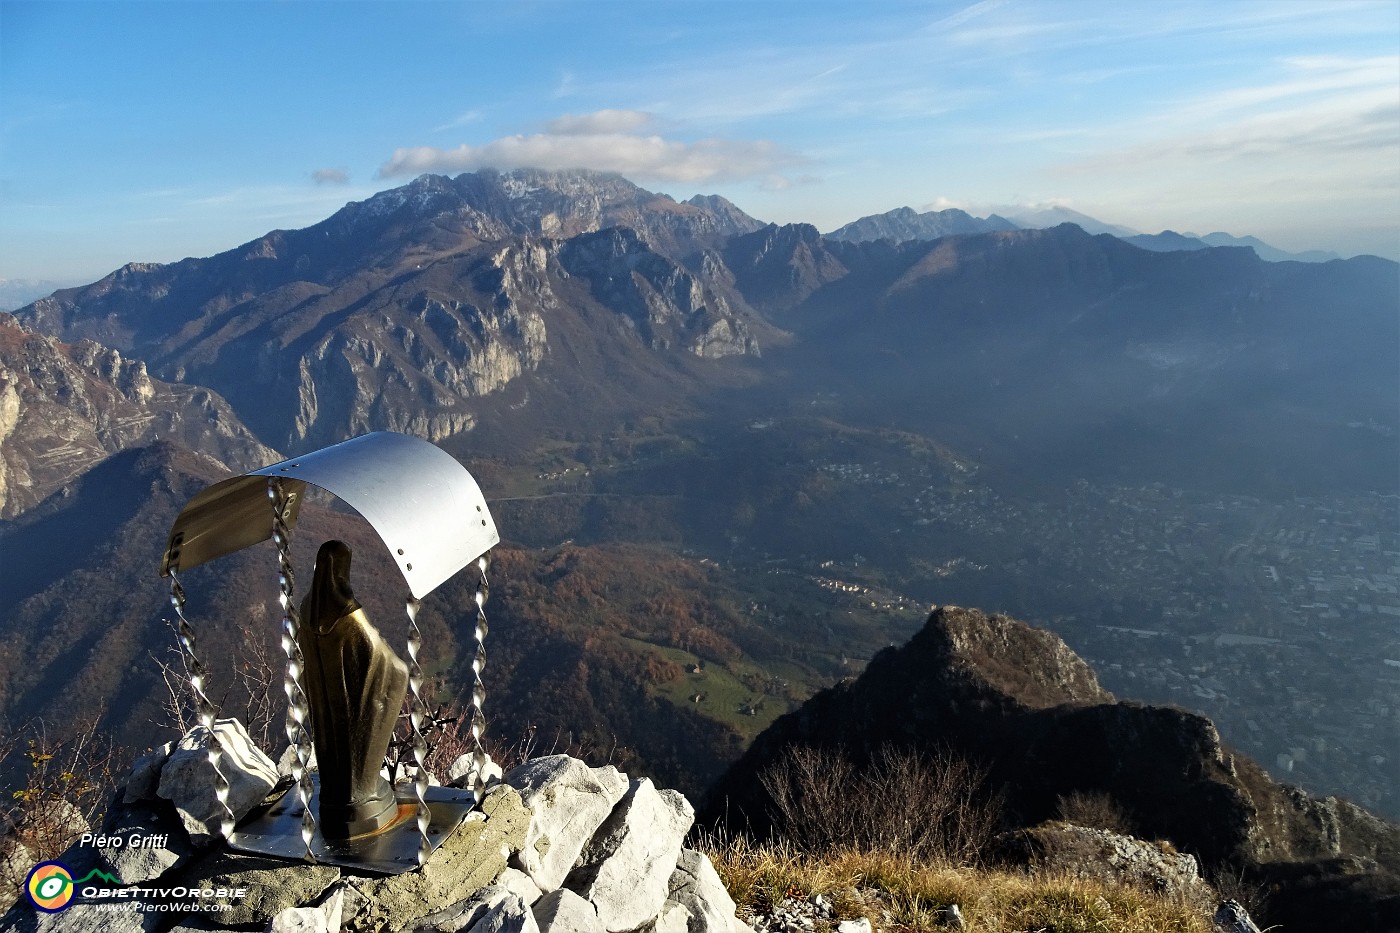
[{"x": 355, "y": 686}]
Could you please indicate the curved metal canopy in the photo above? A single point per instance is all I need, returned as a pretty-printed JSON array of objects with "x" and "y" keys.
[{"x": 423, "y": 503}]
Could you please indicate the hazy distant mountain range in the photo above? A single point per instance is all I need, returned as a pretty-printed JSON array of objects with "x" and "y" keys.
[
  {"x": 639, "y": 381},
  {"x": 16, "y": 293},
  {"x": 904, "y": 223}
]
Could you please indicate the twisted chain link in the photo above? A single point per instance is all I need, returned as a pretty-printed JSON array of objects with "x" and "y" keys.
[
  {"x": 477, "y": 717},
  {"x": 297, "y": 711},
  {"x": 204, "y": 709},
  {"x": 417, "y": 715}
]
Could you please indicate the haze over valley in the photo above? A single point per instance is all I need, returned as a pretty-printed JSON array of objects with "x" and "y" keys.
[{"x": 731, "y": 460}]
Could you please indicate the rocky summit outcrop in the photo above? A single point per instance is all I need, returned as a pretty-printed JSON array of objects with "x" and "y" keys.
[
  {"x": 66, "y": 407},
  {"x": 1063, "y": 848},
  {"x": 1017, "y": 700},
  {"x": 556, "y": 847},
  {"x": 403, "y": 312},
  {"x": 904, "y": 223}
]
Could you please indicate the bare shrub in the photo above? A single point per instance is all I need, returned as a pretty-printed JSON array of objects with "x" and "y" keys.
[
  {"x": 933, "y": 806},
  {"x": 1233, "y": 882},
  {"x": 253, "y": 694},
  {"x": 258, "y": 678},
  {"x": 56, "y": 789},
  {"x": 1095, "y": 811},
  {"x": 814, "y": 798}
]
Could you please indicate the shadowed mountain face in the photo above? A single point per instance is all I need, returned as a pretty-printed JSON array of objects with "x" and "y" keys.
[
  {"x": 428, "y": 307},
  {"x": 623, "y": 369},
  {"x": 1066, "y": 355},
  {"x": 994, "y": 690}
]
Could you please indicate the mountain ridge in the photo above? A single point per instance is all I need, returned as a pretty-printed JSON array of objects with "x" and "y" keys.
[
  {"x": 994, "y": 691},
  {"x": 776, "y": 402},
  {"x": 64, "y": 407},
  {"x": 398, "y": 312}
]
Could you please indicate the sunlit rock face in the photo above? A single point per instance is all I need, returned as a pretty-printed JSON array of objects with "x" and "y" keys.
[
  {"x": 403, "y": 311},
  {"x": 64, "y": 408}
]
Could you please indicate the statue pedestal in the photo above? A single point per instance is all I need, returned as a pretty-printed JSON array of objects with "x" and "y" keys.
[{"x": 275, "y": 830}]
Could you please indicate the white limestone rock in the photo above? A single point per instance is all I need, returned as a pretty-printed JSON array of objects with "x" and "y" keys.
[
  {"x": 471, "y": 860},
  {"x": 1231, "y": 917},
  {"x": 146, "y": 821},
  {"x": 563, "y": 911},
  {"x": 462, "y": 772},
  {"x": 80, "y": 918},
  {"x": 15, "y": 862},
  {"x": 289, "y": 757},
  {"x": 187, "y": 779},
  {"x": 144, "y": 778},
  {"x": 520, "y": 884},
  {"x": 324, "y": 918},
  {"x": 625, "y": 870},
  {"x": 407, "y": 774},
  {"x": 493, "y": 909},
  {"x": 675, "y": 918},
  {"x": 695, "y": 885},
  {"x": 569, "y": 801}
]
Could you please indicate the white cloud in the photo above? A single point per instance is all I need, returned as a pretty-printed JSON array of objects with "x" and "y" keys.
[
  {"x": 602, "y": 141},
  {"x": 970, "y": 12},
  {"x": 599, "y": 122},
  {"x": 1334, "y": 114},
  {"x": 331, "y": 176},
  {"x": 462, "y": 119}
]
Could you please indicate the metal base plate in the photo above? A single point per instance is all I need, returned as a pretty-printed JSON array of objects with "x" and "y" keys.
[{"x": 275, "y": 829}]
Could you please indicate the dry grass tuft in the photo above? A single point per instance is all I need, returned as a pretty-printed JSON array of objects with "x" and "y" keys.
[{"x": 899, "y": 893}]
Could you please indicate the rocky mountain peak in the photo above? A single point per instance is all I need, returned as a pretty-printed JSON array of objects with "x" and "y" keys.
[
  {"x": 665, "y": 303},
  {"x": 64, "y": 407},
  {"x": 778, "y": 267},
  {"x": 904, "y": 223},
  {"x": 990, "y": 689},
  {"x": 999, "y": 655},
  {"x": 558, "y": 204}
]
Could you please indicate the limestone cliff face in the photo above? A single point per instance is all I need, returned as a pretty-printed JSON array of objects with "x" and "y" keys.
[
  {"x": 667, "y": 305},
  {"x": 64, "y": 408},
  {"x": 403, "y": 312},
  {"x": 414, "y": 364}
]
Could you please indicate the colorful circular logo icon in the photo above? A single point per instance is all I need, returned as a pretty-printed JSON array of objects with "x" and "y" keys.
[{"x": 50, "y": 886}]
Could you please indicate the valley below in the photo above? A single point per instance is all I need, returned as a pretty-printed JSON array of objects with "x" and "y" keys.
[{"x": 731, "y": 461}]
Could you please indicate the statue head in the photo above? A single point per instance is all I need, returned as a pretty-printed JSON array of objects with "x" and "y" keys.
[{"x": 330, "y": 596}]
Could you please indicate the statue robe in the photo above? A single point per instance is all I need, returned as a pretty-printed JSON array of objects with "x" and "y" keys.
[{"x": 355, "y": 686}]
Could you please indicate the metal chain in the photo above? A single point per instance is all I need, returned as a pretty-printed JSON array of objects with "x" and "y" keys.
[
  {"x": 204, "y": 709},
  {"x": 417, "y": 715},
  {"x": 477, "y": 717},
  {"x": 297, "y": 711}
]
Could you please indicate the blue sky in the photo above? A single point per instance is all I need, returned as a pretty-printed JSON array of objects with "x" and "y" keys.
[{"x": 154, "y": 131}]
